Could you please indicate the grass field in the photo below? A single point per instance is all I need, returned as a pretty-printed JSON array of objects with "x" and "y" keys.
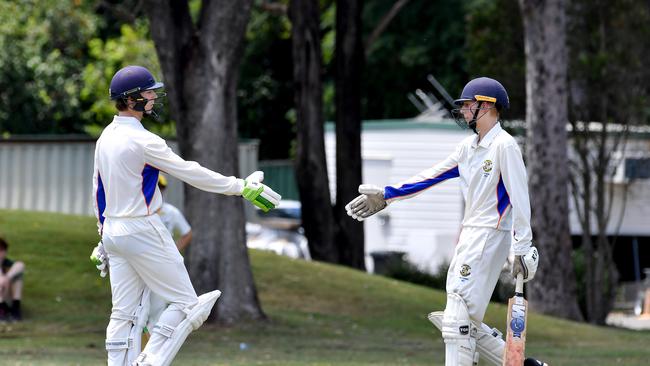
[{"x": 318, "y": 314}]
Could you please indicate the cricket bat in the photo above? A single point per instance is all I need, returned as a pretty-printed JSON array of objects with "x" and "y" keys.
[{"x": 513, "y": 354}]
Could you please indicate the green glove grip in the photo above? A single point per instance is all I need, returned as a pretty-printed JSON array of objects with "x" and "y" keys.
[
  {"x": 253, "y": 193},
  {"x": 93, "y": 257}
]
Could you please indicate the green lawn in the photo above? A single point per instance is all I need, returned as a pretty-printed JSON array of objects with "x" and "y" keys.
[{"x": 318, "y": 314}]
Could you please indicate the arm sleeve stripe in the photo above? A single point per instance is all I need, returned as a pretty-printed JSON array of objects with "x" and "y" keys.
[
  {"x": 413, "y": 188},
  {"x": 149, "y": 181},
  {"x": 503, "y": 199},
  {"x": 100, "y": 196}
]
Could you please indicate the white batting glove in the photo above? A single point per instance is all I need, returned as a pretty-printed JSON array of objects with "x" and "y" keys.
[
  {"x": 368, "y": 203},
  {"x": 255, "y": 177},
  {"x": 526, "y": 264},
  {"x": 99, "y": 257}
]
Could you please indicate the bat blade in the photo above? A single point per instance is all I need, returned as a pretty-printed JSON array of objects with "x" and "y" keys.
[{"x": 513, "y": 354}]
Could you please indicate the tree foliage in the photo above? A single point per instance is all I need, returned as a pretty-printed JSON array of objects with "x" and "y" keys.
[
  {"x": 424, "y": 38},
  {"x": 495, "y": 48},
  {"x": 43, "y": 51},
  {"x": 132, "y": 47},
  {"x": 265, "y": 92}
]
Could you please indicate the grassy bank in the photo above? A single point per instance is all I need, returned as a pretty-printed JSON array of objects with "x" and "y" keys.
[{"x": 318, "y": 314}]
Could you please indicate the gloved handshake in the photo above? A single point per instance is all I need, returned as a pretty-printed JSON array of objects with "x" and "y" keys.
[
  {"x": 260, "y": 194},
  {"x": 368, "y": 203}
]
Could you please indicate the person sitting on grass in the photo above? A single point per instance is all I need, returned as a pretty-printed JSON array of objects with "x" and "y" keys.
[{"x": 11, "y": 285}]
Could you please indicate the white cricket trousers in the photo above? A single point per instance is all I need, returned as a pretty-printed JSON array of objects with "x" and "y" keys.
[
  {"x": 475, "y": 267},
  {"x": 142, "y": 253}
]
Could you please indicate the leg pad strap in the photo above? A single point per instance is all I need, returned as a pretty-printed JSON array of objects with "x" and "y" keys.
[
  {"x": 489, "y": 341},
  {"x": 117, "y": 344}
]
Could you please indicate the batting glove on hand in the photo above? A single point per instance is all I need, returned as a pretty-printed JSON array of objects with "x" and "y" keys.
[
  {"x": 99, "y": 257},
  {"x": 368, "y": 203},
  {"x": 260, "y": 194},
  {"x": 526, "y": 264}
]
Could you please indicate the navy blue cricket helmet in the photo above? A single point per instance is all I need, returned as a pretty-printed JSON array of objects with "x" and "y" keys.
[
  {"x": 132, "y": 80},
  {"x": 485, "y": 90}
]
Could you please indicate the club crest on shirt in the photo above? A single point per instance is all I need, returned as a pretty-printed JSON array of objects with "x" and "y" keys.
[
  {"x": 487, "y": 166},
  {"x": 465, "y": 270}
]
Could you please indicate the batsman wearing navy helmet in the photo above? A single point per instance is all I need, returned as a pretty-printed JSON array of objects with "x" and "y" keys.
[
  {"x": 136, "y": 248},
  {"x": 497, "y": 218},
  {"x": 134, "y": 87}
]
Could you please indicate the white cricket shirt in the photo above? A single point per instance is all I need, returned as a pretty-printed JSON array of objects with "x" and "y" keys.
[
  {"x": 127, "y": 161},
  {"x": 493, "y": 181}
]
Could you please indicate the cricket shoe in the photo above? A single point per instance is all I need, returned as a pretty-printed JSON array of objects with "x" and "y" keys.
[{"x": 534, "y": 362}]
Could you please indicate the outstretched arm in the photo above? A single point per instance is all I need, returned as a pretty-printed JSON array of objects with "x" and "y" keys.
[
  {"x": 160, "y": 156},
  {"x": 424, "y": 180},
  {"x": 373, "y": 199}
]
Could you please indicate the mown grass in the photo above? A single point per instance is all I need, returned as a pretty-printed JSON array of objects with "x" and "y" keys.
[{"x": 318, "y": 314}]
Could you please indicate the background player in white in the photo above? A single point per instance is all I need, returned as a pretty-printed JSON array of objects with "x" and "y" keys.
[
  {"x": 497, "y": 215},
  {"x": 137, "y": 247}
]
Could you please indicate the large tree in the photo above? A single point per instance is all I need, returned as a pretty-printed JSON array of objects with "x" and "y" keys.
[
  {"x": 200, "y": 60},
  {"x": 349, "y": 60},
  {"x": 553, "y": 291},
  {"x": 311, "y": 168},
  {"x": 346, "y": 245}
]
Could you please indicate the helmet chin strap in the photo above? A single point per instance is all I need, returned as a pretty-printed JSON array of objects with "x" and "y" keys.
[
  {"x": 472, "y": 123},
  {"x": 140, "y": 104}
]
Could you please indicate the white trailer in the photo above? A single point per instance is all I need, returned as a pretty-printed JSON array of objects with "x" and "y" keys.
[{"x": 426, "y": 228}]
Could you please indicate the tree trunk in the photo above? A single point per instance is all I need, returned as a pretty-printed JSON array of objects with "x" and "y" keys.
[
  {"x": 553, "y": 291},
  {"x": 201, "y": 64},
  {"x": 311, "y": 168},
  {"x": 589, "y": 253},
  {"x": 349, "y": 65}
]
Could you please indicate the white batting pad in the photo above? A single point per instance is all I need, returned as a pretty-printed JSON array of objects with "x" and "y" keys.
[
  {"x": 195, "y": 317},
  {"x": 489, "y": 342}
]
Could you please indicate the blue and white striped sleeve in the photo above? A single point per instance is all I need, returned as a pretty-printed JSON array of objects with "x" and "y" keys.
[{"x": 424, "y": 180}]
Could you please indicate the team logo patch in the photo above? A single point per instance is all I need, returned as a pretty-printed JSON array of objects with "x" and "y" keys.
[
  {"x": 517, "y": 325},
  {"x": 465, "y": 270},
  {"x": 463, "y": 329},
  {"x": 487, "y": 166}
]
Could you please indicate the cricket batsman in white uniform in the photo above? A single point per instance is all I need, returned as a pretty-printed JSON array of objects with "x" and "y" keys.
[
  {"x": 135, "y": 245},
  {"x": 497, "y": 216}
]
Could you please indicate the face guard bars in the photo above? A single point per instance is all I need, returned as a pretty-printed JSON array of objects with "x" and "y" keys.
[
  {"x": 459, "y": 117},
  {"x": 141, "y": 102}
]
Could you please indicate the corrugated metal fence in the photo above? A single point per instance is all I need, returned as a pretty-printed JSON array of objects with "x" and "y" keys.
[
  {"x": 280, "y": 175},
  {"x": 55, "y": 173}
]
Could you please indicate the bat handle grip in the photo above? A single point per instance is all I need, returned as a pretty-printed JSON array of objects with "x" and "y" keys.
[{"x": 519, "y": 284}]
